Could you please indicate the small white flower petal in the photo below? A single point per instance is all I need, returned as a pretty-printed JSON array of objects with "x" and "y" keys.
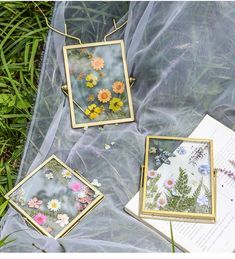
[
  {"x": 81, "y": 195},
  {"x": 106, "y": 146},
  {"x": 49, "y": 176}
]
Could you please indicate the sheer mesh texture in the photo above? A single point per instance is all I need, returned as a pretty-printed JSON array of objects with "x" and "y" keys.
[{"x": 182, "y": 54}]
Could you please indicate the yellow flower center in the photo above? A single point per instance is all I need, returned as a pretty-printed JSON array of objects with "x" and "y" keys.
[{"x": 54, "y": 205}]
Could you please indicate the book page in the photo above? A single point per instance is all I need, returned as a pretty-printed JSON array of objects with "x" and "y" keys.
[{"x": 202, "y": 237}]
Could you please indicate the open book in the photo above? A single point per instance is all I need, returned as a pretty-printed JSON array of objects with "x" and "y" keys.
[{"x": 201, "y": 237}]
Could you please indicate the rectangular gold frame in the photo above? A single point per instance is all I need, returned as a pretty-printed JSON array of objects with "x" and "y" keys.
[
  {"x": 171, "y": 215},
  {"x": 70, "y": 94},
  {"x": 75, "y": 221}
]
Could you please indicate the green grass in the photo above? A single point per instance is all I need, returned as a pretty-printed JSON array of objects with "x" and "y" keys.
[{"x": 23, "y": 33}]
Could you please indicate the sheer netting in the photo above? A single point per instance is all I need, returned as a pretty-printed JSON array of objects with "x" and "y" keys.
[{"x": 182, "y": 54}]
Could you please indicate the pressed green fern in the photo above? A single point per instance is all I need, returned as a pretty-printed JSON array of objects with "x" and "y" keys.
[
  {"x": 182, "y": 201},
  {"x": 196, "y": 194},
  {"x": 153, "y": 192}
]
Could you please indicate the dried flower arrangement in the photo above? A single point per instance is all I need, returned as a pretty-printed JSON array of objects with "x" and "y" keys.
[
  {"x": 54, "y": 197},
  {"x": 178, "y": 181}
]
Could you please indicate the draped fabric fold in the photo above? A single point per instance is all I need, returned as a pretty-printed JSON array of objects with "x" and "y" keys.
[{"x": 182, "y": 55}]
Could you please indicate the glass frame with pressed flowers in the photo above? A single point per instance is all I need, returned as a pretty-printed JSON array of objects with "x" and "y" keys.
[
  {"x": 43, "y": 211},
  {"x": 162, "y": 197},
  {"x": 112, "y": 104}
]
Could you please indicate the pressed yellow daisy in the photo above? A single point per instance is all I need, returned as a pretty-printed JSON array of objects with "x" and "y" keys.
[
  {"x": 93, "y": 111},
  {"x": 104, "y": 95},
  {"x": 53, "y": 205},
  {"x": 91, "y": 80},
  {"x": 93, "y": 115},
  {"x": 66, "y": 174},
  {"x": 115, "y": 104}
]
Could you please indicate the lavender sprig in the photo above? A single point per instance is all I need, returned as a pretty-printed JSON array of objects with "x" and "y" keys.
[
  {"x": 232, "y": 162},
  {"x": 229, "y": 173}
]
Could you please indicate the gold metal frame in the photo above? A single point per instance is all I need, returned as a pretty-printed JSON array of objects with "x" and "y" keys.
[
  {"x": 161, "y": 214},
  {"x": 76, "y": 220},
  {"x": 70, "y": 92}
]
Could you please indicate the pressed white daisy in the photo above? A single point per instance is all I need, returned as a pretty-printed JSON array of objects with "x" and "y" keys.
[
  {"x": 63, "y": 220},
  {"x": 96, "y": 183},
  {"x": 49, "y": 176},
  {"x": 66, "y": 174},
  {"x": 53, "y": 205}
]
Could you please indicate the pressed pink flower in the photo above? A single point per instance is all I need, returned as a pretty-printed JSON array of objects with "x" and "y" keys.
[
  {"x": 35, "y": 203},
  {"x": 86, "y": 199},
  {"x": 40, "y": 218},
  {"x": 152, "y": 173},
  {"x": 169, "y": 183},
  {"x": 80, "y": 207},
  {"x": 161, "y": 201},
  {"x": 75, "y": 187}
]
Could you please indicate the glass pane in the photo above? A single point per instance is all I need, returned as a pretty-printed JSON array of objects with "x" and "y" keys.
[
  {"x": 98, "y": 83},
  {"x": 178, "y": 176},
  {"x": 53, "y": 197}
]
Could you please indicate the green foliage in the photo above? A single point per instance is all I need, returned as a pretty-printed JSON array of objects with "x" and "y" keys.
[
  {"x": 172, "y": 239},
  {"x": 208, "y": 195},
  {"x": 22, "y": 35},
  {"x": 182, "y": 201},
  {"x": 153, "y": 192},
  {"x": 4, "y": 241}
]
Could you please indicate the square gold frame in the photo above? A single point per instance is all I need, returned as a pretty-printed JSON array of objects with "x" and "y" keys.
[
  {"x": 171, "y": 215},
  {"x": 75, "y": 221},
  {"x": 70, "y": 92}
]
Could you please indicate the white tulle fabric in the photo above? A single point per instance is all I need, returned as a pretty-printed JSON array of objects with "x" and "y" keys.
[{"x": 182, "y": 54}]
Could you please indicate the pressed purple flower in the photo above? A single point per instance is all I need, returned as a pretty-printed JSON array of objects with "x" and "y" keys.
[
  {"x": 170, "y": 183},
  {"x": 181, "y": 150},
  {"x": 152, "y": 173},
  {"x": 161, "y": 202}
]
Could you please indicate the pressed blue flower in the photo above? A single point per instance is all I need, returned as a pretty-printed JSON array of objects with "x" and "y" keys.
[
  {"x": 204, "y": 169},
  {"x": 202, "y": 200},
  {"x": 181, "y": 150},
  {"x": 175, "y": 193}
]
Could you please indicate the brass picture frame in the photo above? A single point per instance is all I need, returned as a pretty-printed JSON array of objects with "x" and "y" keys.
[
  {"x": 84, "y": 113},
  {"x": 160, "y": 209},
  {"x": 35, "y": 204}
]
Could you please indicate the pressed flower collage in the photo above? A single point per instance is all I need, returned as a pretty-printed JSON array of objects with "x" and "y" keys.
[
  {"x": 98, "y": 83},
  {"x": 54, "y": 196},
  {"x": 178, "y": 176}
]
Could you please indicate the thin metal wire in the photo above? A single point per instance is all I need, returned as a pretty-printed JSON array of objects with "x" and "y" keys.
[
  {"x": 55, "y": 30},
  {"x": 65, "y": 92},
  {"x": 115, "y": 28}
]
